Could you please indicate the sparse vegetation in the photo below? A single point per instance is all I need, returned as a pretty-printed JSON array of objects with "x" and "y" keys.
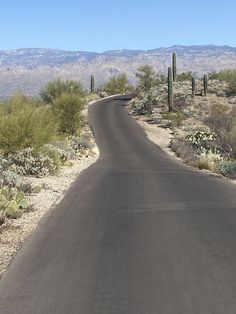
[
  {"x": 228, "y": 76},
  {"x": 204, "y": 128}
]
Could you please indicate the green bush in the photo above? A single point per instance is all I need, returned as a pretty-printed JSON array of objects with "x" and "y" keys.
[
  {"x": 147, "y": 78},
  {"x": 118, "y": 85},
  {"x": 58, "y": 87},
  {"x": 25, "y": 123},
  {"x": 68, "y": 109}
]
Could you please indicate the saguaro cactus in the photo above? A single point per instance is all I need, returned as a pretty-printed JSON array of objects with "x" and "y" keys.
[
  {"x": 92, "y": 84},
  {"x": 170, "y": 89},
  {"x": 174, "y": 68},
  {"x": 205, "y": 84},
  {"x": 193, "y": 86}
]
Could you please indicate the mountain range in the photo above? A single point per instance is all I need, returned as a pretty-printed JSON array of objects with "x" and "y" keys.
[{"x": 29, "y": 69}]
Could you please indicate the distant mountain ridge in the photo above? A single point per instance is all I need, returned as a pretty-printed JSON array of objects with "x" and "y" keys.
[{"x": 28, "y": 69}]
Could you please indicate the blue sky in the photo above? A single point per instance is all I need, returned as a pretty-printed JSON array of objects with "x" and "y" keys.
[{"x": 103, "y": 25}]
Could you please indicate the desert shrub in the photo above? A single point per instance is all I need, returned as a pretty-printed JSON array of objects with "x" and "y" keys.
[
  {"x": 80, "y": 143},
  {"x": 118, "y": 85},
  {"x": 212, "y": 154},
  {"x": 224, "y": 75},
  {"x": 176, "y": 118},
  {"x": 145, "y": 102},
  {"x": 31, "y": 162},
  {"x": 92, "y": 97},
  {"x": 201, "y": 140},
  {"x": 57, "y": 155},
  {"x": 184, "y": 150},
  {"x": 147, "y": 78},
  {"x": 180, "y": 103},
  {"x": 228, "y": 169},
  {"x": 25, "y": 123},
  {"x": 222, "y": 121},
  {"x": 184, "y": 76},
  {"x": 228, "y": 76},
  {"x": 144, "y": 105},
  {"x": 68, "y": 109},
  {"x": 58, "y": 87},
  {"x": 64, "y": 146},
  {"x": 205, "y": 163}
]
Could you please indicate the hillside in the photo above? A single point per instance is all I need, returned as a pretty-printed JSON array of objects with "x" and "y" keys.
[{"x": 29, "y": 69}]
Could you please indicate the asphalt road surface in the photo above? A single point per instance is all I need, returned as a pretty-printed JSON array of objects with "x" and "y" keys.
[{"x": 138, "y": 233}]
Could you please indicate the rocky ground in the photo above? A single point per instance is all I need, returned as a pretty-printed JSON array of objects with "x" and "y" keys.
[{"x": 189, "y": 114}]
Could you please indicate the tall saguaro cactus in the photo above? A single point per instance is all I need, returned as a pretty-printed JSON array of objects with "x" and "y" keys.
[
  {"x": 174, "y": 67},
  {"x": 170, "y": 89},
  {"x": 205, "y": 84},
  {"x": 193, "y": 86},
  {"x": 92, "y": 84}
]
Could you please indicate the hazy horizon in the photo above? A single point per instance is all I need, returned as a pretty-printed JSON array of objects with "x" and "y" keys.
[{"x": 123, "y": 48}]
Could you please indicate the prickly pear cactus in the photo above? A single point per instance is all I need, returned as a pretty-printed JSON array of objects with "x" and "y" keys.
[{"x": 12, "y": 210}]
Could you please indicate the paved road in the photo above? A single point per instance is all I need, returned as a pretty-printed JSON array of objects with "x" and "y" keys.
[{"x": 138, "y": 233}]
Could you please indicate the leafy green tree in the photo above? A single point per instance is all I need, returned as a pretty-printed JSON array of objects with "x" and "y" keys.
[
  {"x": 68, "y": 109},
  {"x": 56, "y": 88},
  {"x": 118, "y": 85},
  {"x": 147, "y": 78}
]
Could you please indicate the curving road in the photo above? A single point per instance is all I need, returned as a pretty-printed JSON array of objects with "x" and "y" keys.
[{"x": 138, "y": 233}]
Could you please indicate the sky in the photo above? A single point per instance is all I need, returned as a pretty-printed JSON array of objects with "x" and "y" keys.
[{"x": 124, "y": 24}]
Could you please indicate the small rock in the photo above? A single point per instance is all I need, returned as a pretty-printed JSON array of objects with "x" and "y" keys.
[
  {"x": 221, "y": 94},
  {"x": 232, "y": 100}
]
